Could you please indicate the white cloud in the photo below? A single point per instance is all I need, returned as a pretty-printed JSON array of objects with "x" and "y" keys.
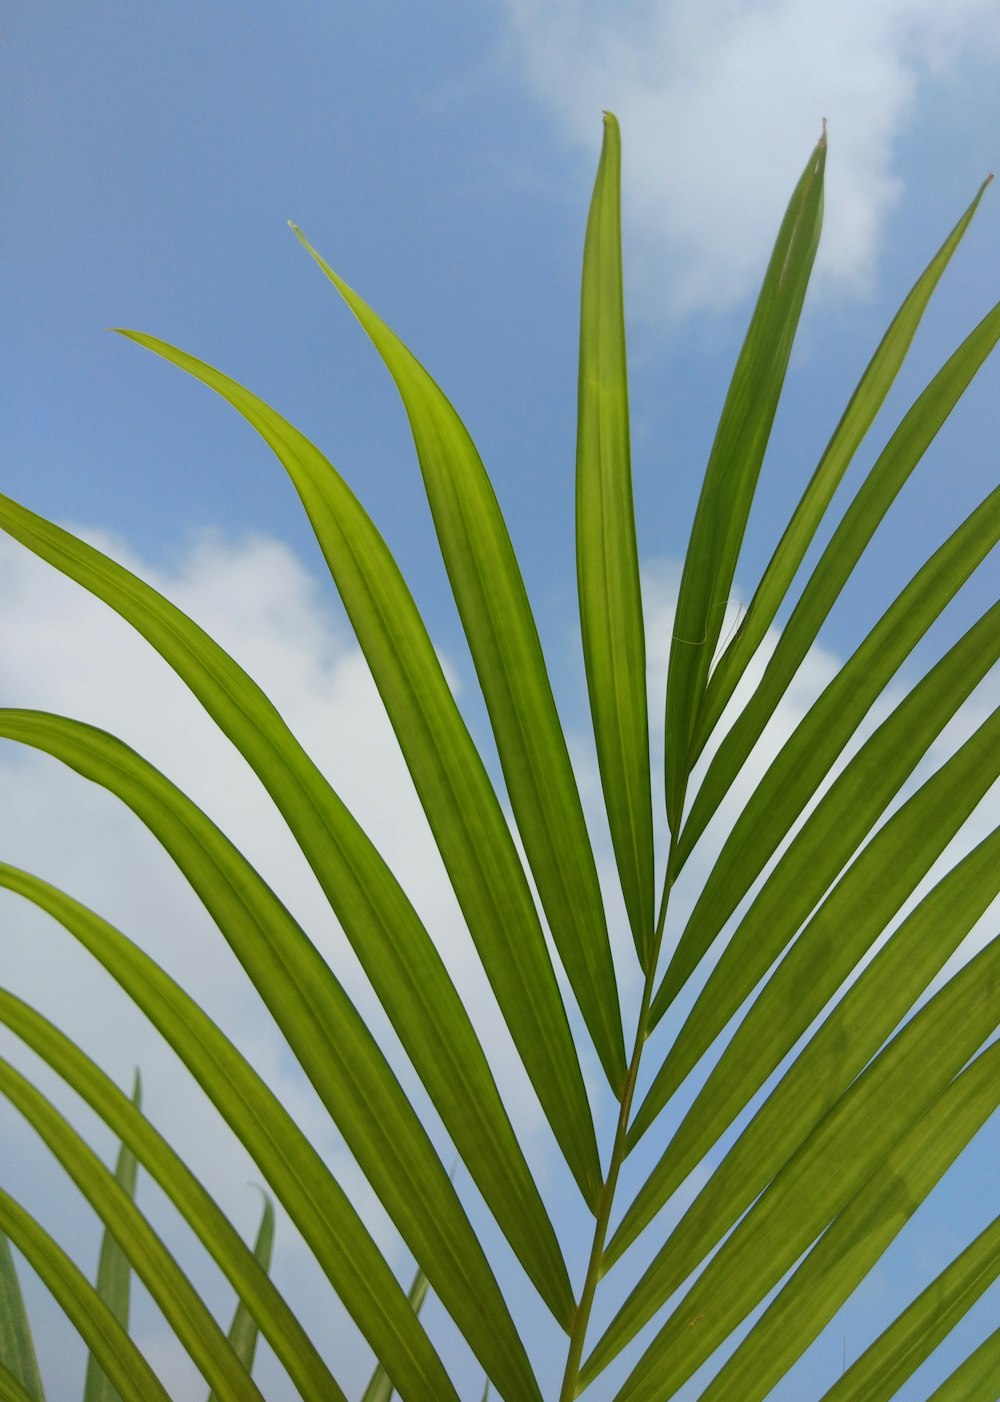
[{"x": 719, "y": 103}]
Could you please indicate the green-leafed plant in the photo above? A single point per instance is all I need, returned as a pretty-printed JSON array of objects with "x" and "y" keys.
[{"x": 866, "y": 1117}]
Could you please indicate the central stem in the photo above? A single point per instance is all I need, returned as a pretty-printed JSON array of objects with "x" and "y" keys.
[{"x": 582, "y": 1316}]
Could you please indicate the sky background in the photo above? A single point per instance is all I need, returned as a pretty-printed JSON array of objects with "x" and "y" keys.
[{"x": 442, "y": 161}]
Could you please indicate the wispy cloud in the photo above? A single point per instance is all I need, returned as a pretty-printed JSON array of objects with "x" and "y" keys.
[{"x": 719, "y": 103}]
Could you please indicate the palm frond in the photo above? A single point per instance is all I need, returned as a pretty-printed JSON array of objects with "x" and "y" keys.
[{"x": 845, "y": 1081}]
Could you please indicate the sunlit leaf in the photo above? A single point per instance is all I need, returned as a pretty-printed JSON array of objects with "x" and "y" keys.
[
  {"x": 732, "y": 472},
  {"x": 124, "y": 1365},
  {"x": 394, "y": 948},
  {"x": 865, "y": 403},
  {"x": 911, "y": 1338},
  {"x": 114, "y": 1275},
  {"x": 17, "y": 1347},
  {"x": 607, "y": 561}
]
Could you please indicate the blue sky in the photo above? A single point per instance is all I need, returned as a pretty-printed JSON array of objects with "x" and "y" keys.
[{"x": 442, "y": 161}]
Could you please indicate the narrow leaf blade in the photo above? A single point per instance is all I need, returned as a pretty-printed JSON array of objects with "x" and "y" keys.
[
  {"x": 858, "y": 1237},
  {"x": 297, "y": 1174},
  {"x": 125, "y": 1366},
  {"x": 395, "y": 950},
  {"x": 379, "y": 1387},
  {"x": 182, "y": 1307},
  {"x": 838, "y": 1051},
  {"x": 732, "y": 472},
  {"x": 244, "y": 1330},
  {"x": 832, "y": 832},
  {"x": 835, "y": 939},
  {"x": 17, "y": 1347},
  {"x": 976, "y": 1379},
  {"x": 913, "y": 1336},
  {"x": 607, "y": 561},
  {"x": 114, "y": 1275},
  {"x": 845, "y": 1148},
  {"x": 881, "y": 487},
  {"x": 503, "y": 640},
  {"x": 858, "y": 417}
]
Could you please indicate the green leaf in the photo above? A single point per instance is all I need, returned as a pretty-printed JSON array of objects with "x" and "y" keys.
[
  {"x": 732, "y": 472},
  {"x": 845, "y": 1148},
  {"x": 180, "y": 1304},
  {"x": 886, "y": 479},
  {"x": 291, "y": 1344},
  {"x": 12, "y": 1389},
  {"x": 837, "y": 1052},
  {"x": 846, "y": 1252},
  {"x": 379, "y": 1387},
  {"x": 834, "y": 829},
  {"x": 498, "y": 623},
  {"x": 113, "y": 1271},
  {"x": 976, "y": 1379},
  {"x": 244, "y": 1331},
  {"x": 333, "y": 1045},
  {"x": 395, "y": 950},
  {"x": 607, "y": 561},
  {"x": 17, "y": 1348},
  {"x": 911, "y": 1338},
  {"x": 124, "y": 1365},
  {"x": 836, "y": 939},
  {"x": 865, "y": 403},
  {"x": 294, "y": 1170}
]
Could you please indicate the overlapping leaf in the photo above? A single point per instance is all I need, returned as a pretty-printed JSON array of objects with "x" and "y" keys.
[
  {"x": 500, "y": 629},
  {"x": 395, "y": 950},
  {"x": 300, "y": 1179},
  {"x": 332, "y": 1043},
  {"x": 858, "y": 417},
  {"x": 732, "y": 472},
  {"x": 852, "y": 1140},
  {"x": 121, "y": 1361},
  {"x": 114, "y": 1274},
  {"x": 887, "y": 645}
]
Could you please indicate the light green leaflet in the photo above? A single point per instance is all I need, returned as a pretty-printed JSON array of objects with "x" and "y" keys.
[
  {"x": 976, "y": 1379},
  {"x": 837, "y": 1052},
  {"x": 897, "y": 1353},
  {"x": 836, "y": 938},
  {"x": 833, "y": 830},
  {"x": 332, "y": 1043},
  {"x": 732, "y": 472},
  {"x": 816, "y": 1182},
  {"x": 114, "y": 1276},
  {"x": 496, "y": 615},
  {"x": 244, "y": 1332},
  {"x": 12, "y": 1389},
  {"x": 394, "y": 948},
  {"x": 290, "y": 1342},
  {"x": 181, "y": 1305},
  {"x": 846, "y": 1252},
  {"x": 379, "y": 1387},
  {"x": 858, "y": 417},
  {"x": 607, "y": 560},
  {"x": 881, "y": 653},
  {"x": 124, "y": 1365},
  {"x": 296, "y": 1173},
  {"x": 17, "y": 1348}
]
